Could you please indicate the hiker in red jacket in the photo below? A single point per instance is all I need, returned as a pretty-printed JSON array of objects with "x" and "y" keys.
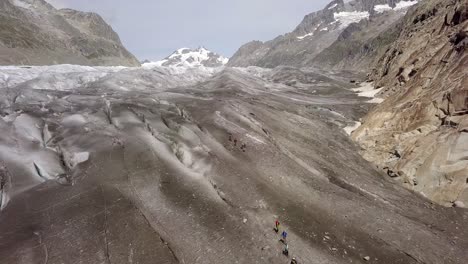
[{"x": 277, "y": 224}]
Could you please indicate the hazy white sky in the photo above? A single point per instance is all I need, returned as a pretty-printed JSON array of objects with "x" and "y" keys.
[{"x": 153, "y": 29}]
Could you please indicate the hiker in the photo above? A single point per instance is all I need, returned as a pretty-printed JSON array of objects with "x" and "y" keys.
[
  {"x": 283, "y": 236},
  {"x": 277, "y": 224},
  {"x": 235, "y": 142},
  {"x": 293, "y": 261},
  {"x": 286, "y": 250},
  {"x": 230, "y": 137}
]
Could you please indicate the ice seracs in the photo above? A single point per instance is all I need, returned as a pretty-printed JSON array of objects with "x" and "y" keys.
[
  {"x": 54, "y": 77},
  {"x": 75, "y": 77}
]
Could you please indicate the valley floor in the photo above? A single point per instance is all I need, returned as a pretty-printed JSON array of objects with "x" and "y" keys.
[{"x": 103, "y": 165}]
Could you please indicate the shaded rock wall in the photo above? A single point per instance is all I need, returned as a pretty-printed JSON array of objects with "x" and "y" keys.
[{"x": 419, "y": 133}]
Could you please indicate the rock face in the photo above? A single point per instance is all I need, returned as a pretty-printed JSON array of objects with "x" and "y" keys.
[
  {"x": 419, "y": 134},
  {"x": 360, "y": 44},
  {"x": 32, "y": 32},
  {"x": 321, "y": 29}
]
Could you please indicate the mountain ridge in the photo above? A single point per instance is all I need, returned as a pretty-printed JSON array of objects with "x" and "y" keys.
[
  {"x": 315, "y": 33},
  {"x": 33, "y": 32}
]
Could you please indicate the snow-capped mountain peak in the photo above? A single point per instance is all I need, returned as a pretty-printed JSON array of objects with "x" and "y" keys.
[
  {"x": 192, "y": 58},
  {"x": 339, "y": 14}
]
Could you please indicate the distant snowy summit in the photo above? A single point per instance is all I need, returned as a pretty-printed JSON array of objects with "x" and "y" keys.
[{"x": 191, "y": 58}]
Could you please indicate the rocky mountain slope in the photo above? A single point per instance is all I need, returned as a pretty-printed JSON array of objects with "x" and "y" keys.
[
  {"x": 192, "y": 58},
  {"x": 32, "y": 32},
  {"x": 320, "y": 30},
  {"x": 419, "y": 133},
  {"x": 361, "y": 44}
]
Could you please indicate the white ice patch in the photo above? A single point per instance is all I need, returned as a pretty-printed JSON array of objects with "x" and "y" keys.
[
  {"x": 255, "y": 139},
  {"x": 305, "y": 36},
  {"x": 350, "y": 129},
  {"x": 403, "y": 5},
  {"x": 333, "y": 6},
  {"x": 21, "y": 4},
  {"x": 78, "y": 158},
  {"x": 153, "y": 64},
  {"x": 347, "y": 18},
  {"x": 223, "y": 60},
  {"x": 382, "y": 8},
  {"x": 376, "y": 100},
  {"x": 310, "y": 33},
  {"x": 28, "y": 127},
  {"x": 367, "y": 90},
  {"x": 4, "y": 200},
  {"x": 74, "y": 120}
]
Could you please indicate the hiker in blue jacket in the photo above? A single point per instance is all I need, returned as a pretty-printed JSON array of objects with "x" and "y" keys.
[{"x": 283, "y": 236}]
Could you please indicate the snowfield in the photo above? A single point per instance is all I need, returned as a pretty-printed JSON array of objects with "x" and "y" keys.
[
  {"x": 368, "y": 90},
  {"x": 382, "y": 8},
  {"x": 305, "y": 36},
  {"x": 22, "y": 4},
  {"x": 310, "y": 34},
  {"x": 347, "y": 18},
  {"x": 403, "y": 5}
]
